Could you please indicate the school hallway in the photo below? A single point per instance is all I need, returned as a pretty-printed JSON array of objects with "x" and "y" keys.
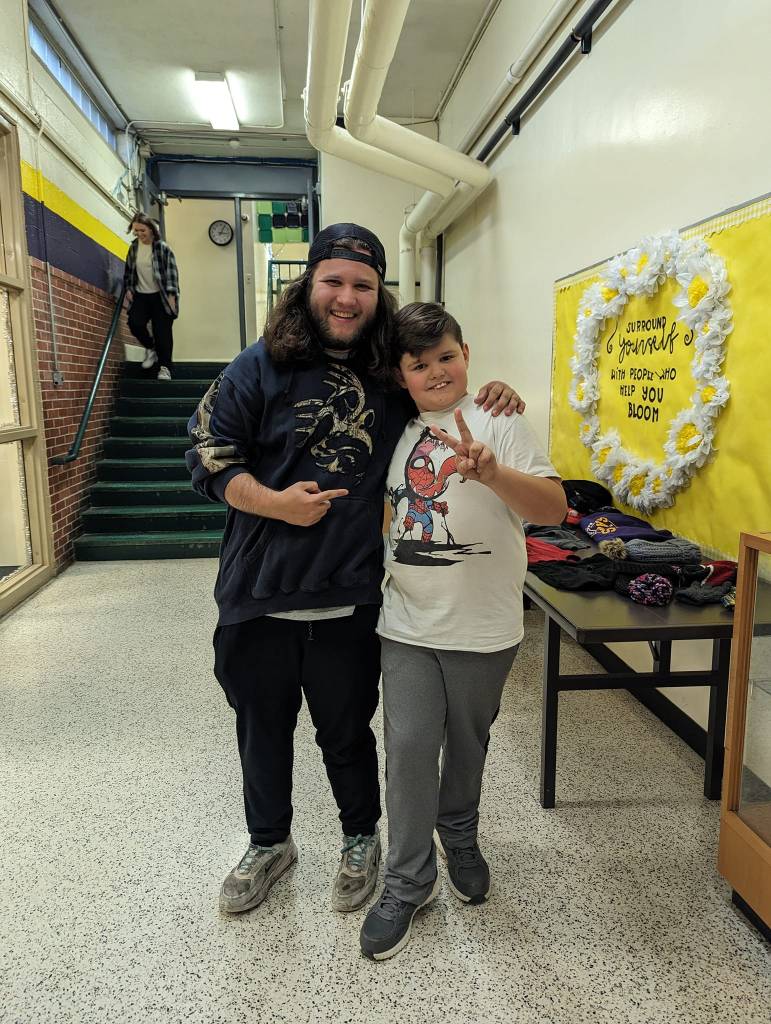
[{"x": 121, "y": 803}]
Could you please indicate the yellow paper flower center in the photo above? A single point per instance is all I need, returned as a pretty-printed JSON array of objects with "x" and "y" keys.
[
  {"x": 656, "y": 485},
  {"x": 609, "y": 293},
  {"x": 580, "y": 392},
  {"x": 624, "y": 272},
  {"x": 636, "y": 484},
  {"x": 688, "y": 437},
  {"x": 602, "y": 455},
  {"x": 618, "y": 472},
  {"x": 697, "y": 289},
  {"x": 705, "y": 329},
  {"x": 642, "y": 262},
  {"x": 708, "y": 393}
]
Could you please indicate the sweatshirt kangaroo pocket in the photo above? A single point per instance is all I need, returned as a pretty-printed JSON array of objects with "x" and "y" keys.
[{"x": 343, "y": 549}]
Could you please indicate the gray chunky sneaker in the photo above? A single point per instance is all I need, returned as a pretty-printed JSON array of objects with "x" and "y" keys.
[
  {"x": 386, "y": 929},
  {"x": 248, "y": 883},
  {"x": 467, "y": 872},
  {"x": 357, "y": 874}
]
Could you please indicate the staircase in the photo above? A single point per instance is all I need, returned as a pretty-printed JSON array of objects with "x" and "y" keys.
[{"x": 142, "y": 505}]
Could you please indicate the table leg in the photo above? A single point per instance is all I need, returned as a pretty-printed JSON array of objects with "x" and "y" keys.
[
  {"x": 718, "y": 699},
  {"x": 551, "y": 671}
]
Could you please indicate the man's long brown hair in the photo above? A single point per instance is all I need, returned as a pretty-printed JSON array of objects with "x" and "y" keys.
[{"x": 291, "y": 335}]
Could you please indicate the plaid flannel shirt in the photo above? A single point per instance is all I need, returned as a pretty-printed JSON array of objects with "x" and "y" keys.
[{"x": 164, "y": 271}]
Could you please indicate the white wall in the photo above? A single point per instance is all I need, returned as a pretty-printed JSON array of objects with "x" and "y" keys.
[
  {"x": 207, "y": 327},
  {"x": 663, "y": 124},
  {"x": 376, "y": 201}
]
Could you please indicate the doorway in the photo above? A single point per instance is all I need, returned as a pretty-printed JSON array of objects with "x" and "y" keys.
[{"x": 225, "y": 248}]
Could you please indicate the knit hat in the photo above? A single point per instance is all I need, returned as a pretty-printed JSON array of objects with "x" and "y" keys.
[
  {"x": 586, "y": 496},
  {"x": 629, "y": 568},
  {"x": 558, "y": 536},
  {"x": 607, "y": 522},
  {"x": 593, "y": 573},
  {"x": 700, "y": 593},
  {"x": 613, "y": 548},
  {"x": 674, "y": 551},
  {"x": 723, "y": 571},
  {"x": 649, "y": 588}
]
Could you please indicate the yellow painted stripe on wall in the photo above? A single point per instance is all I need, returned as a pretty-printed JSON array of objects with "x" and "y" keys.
[{"x": 44, "y": 191}]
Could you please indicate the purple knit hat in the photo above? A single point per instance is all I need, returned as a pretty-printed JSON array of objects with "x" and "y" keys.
[{"x": 649, "y": 588}]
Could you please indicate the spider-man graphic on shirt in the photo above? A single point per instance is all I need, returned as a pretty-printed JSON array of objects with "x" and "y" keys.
[{"x": 423, "y": 485}]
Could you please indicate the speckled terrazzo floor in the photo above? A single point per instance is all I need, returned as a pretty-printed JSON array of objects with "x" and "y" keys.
[{"x": 121, "y": 810}]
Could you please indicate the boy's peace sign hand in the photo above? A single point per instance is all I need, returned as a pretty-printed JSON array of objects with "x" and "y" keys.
[{"x": 475, "y": 461}]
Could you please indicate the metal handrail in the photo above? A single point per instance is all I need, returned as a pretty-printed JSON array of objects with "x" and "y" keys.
[
  {"x": 272, "y": 281},
  {"x": 72, "y": 454}
]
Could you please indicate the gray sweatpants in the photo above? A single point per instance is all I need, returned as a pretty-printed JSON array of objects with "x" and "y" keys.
[{"x": 434, "y": 702}]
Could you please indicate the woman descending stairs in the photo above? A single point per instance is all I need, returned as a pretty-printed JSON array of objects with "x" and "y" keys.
[{"x": 142, "y": 505}]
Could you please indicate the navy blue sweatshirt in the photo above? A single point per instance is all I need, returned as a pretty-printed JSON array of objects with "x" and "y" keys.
[{"x": 284, "y": 423}]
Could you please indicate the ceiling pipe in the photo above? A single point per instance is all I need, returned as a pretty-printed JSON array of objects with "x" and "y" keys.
[
  {"x": 581, "y": 35},
  {"x": 432, "y": 215},
  {"x": 380, "y": 30},
  {"x": 517, "y": 70},
  {"x": 327, "y": 37}
]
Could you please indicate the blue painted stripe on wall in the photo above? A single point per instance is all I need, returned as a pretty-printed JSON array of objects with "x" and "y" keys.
[{"x": 63, "y": 246}]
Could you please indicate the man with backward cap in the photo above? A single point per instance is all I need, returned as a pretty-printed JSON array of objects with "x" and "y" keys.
[{"x": 295, "y": 436}]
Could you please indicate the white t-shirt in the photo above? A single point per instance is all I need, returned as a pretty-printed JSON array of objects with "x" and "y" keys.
[
  {"x": 455, "y": 557},
  {"x": 146, "y": 282}
]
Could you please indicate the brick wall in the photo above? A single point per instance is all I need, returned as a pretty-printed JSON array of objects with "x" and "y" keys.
[{"x": 82, "y": 314}]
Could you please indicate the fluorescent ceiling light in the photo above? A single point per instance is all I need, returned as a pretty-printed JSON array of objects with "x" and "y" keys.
[{"x": 213, "y": 93}]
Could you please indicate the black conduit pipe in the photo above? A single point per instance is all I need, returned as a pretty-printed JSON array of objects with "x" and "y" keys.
[{"x": 582, "y": 33}]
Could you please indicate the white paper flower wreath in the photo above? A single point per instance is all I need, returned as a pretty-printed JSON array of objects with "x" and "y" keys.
[{"x": 703, "y": 281}]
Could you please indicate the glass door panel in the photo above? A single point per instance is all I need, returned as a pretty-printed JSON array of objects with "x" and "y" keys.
[
  {"x": 15, "y": 542},
  {"x": 9, "y": 400},
  {"x": 755, "y": 800}
]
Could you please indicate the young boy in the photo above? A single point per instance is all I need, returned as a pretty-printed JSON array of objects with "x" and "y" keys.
[{"x": 451, "y": 620}]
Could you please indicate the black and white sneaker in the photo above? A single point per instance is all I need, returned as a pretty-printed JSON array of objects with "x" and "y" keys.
[
  {"x": 467, "y": 872},
  {"x": 150, "y": 359},
  {"x": 386, "y": 929}
]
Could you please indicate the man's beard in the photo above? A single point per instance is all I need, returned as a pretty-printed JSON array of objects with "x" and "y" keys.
[{"x": 334, "y": 344}]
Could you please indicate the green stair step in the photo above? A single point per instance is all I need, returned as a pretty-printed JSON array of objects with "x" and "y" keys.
[
  {"x": 144, "y": 492},
  {"x": 144, "y": 426},
  {"x": 191, "y": 389},
  {"x": 144, "y": 447},
  {"x": 142, "y": 469},
  {"x": 99, "y": 547},
  {"x": 156, "y": 406},
  {"x": 154, "y": 518},
  {"x": 183, "y": 370}
]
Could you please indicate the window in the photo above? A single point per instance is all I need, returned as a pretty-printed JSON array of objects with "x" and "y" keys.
[{"x": 67, "y": 79}]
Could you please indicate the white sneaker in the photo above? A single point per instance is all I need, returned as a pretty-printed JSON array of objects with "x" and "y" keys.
[
  {"x": 164, "y": 373},
  {"x": 150, "y": 359}
]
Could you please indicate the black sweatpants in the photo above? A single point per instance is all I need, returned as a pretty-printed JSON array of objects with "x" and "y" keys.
[
  {"x": 264, "y": 666},
  {"x": 147, "y": 307}
]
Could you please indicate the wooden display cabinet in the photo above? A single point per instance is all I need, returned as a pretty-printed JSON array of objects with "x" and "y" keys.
[{"x": 744, "y": 857}]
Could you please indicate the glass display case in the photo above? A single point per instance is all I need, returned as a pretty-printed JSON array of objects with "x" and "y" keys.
[{"x": 745, "y": 827}]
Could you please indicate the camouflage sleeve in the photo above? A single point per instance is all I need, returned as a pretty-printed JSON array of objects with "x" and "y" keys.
[{"x": 223, "y": 432}]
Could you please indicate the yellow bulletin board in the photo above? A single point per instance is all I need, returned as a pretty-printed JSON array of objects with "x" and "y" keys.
[{"x": 661, "y": 378}]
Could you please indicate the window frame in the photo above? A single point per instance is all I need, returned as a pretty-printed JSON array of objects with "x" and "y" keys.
[{"x": 57, "y": 66}]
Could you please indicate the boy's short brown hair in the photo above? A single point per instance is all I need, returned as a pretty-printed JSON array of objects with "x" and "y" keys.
[{"x": 421, "y": 325}]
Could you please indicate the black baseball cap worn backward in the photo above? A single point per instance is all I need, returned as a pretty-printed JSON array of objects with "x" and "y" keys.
[{"x": 323, "y": 247}]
